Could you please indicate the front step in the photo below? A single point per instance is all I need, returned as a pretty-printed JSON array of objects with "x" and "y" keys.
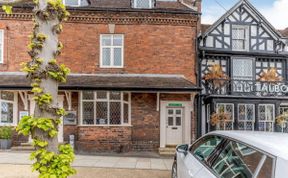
[
  {"x": 23, "y": 148},
  {"x": 27, "y": 147},
  {"x": 168, "y": 151}
]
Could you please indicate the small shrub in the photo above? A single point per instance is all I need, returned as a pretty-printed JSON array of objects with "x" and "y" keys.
[{"x": 6, "y": 132}]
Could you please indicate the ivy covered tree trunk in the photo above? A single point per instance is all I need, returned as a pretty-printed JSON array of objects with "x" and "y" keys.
[{"x": 51, "y": 160}]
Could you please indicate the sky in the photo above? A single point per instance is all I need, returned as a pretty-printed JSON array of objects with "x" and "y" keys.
[{"x": 275, "y": 11}]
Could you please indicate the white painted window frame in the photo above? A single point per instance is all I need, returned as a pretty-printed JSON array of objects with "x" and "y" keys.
[
  {"x": 246, "y": 28},
  {"x": 79, "y": 3},
  {"x": 135, "y": 5},
  {"x": 266, "y": 116},
  {"x": 112, "y": 47},
  {"x": 15, "y": 109},
  {"x": 108, "y": 110},
  {"x": 2, "y": 46},
  {"x": 246, "y": 120}
]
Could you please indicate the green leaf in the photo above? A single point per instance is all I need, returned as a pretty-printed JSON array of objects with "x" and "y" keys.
[{"x": 7, "y": 9}]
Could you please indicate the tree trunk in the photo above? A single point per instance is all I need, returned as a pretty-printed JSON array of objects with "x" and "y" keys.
[{"x": 48, "y": 85}]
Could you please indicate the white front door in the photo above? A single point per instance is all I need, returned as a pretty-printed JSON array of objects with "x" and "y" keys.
[
  {"x": 174, "y": 129},
  {"x": 60, "y": 127}
]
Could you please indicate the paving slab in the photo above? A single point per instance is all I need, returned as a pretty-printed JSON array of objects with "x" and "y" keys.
[
  {"x": 17, "y": 158},
  {"x": 24, "y": 171}
]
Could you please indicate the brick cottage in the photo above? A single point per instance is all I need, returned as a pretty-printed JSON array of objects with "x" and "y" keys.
[{"x": 133, "y": 80}]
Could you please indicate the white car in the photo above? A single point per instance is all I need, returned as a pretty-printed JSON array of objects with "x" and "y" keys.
[{"x": 233, "y": 154}]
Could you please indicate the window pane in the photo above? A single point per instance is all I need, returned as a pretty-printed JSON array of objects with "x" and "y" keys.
[
  {"x": 142, "y": 3},
  {"x": 101, "y": 95},
  {"x": 178, "y": 111},
  {"x": 101, "y": 113},
  {"x": 203, "y": 148},
  {"x": 235, "y": 162},
  {"x": 117, "y": 56},
  {"x": 126, "y": 114},
  {"x": 106, "y": 56},
  {"x": 267, "y": 168},
  {"x": 117, "y": 40},
  {"x": 6, "y": 95},
  {"x": 115, "y": 113},
  {"x": 243, "y": 69},
  {"x": 72, "y": 2},
  {"x": 126, "y": 96},
  {"x": 7, "y": 112},
  {"x": 88, "y": 113},
  {"x": 170, "y": 121},
  {"x": 114, "y": 95},
  {"x": 178, "y": 121},
  {"x": 170, "y": 111},
  {"x": 106, "y": 40},
  {"x": 88, "y": 95}
]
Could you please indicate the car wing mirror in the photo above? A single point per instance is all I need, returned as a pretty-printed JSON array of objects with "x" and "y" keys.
[{"x": 182, "y": 149}]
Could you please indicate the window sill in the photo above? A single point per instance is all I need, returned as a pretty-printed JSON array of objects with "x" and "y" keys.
[
  {"x": 112, "y": 67},
  {"x": 104, "y": 125}
]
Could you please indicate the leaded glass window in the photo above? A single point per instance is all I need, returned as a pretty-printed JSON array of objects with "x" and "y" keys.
[
  {"x": 239, "y": 38},
  {"x": 266, "y": 117},
  {"x": 246, "y": 116},
  {"x": 72, "y": 3},
  {"x": 105, "y": 108},
  {"x": 284, "y": 127},
  {"x": 112, "y": 49},
  {"x": 228, "y": 109},
  {"x": 7, "y": 102},
  {"x": 144, "y": 4}
]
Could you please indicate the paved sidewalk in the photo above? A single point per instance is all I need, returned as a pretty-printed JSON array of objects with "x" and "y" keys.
[
  {"x": 24, "y": 171},
  {"x": 96, "y": 161}
]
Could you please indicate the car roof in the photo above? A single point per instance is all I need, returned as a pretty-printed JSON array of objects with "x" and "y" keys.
[{"x": 271, "y": 142}]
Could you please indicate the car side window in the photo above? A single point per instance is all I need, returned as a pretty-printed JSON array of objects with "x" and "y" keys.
[
  {"x": 267, "y": 169},
  {"x": 205, "y": 146},
  {"x": 239, "y": 161}
]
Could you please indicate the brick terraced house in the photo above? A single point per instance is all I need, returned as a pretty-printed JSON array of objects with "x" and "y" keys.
[
  {"x": 133, "y": 82},
  {"x": 243, "y": 64}
]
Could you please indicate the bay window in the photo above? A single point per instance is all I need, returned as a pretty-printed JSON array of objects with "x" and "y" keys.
[
  {"x": 8, "y": 108},
  {"x": 105, "y": 108}
]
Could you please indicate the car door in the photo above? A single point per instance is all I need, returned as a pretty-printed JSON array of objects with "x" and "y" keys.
[
  {"x": 238, "y": 160},
  {"x": 189, "y": 165}
]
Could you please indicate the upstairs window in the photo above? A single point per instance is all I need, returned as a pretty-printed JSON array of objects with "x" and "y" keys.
[
  {"x": 240, "y": 38},
  {"x": 72, "y": 3},
  {"x": 143, "y": 4},
  {"x": 111, "y": 52}
]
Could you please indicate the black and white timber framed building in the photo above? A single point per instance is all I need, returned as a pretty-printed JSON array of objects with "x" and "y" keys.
[{"x": 246, "y": 46}]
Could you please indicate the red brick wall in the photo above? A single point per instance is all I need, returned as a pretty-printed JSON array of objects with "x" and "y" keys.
[
  {"x": 145, "y": 121},
  {"x": 149, "y": 49},
  {"x": 103, "y": 139}
]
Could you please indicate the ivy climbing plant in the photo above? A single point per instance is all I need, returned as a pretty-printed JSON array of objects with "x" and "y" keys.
[{"x": 51, "y": 159}]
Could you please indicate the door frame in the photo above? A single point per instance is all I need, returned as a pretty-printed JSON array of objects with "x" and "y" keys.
[{"x": 186, "y": 122}]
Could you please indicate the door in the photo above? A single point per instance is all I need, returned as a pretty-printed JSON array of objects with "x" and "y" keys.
[
  {"x": 60, "y": 127},
  {"x": 174, "y": 123}
]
